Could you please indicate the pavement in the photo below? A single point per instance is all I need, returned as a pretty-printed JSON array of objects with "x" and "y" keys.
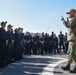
[
  {"x": 59, "y": 71},
  {"x": 48, "y": 64}
]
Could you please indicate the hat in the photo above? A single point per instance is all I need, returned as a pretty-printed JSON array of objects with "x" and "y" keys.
[
  {"x": 71, "y": 10},
  {"x": 3, "y": 22},
  {"x": 9, "y": 25}
]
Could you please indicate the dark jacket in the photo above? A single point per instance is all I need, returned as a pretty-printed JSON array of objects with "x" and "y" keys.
[
  {"x": 2, "y": 35},
  {"x": 9, "y": 36}
]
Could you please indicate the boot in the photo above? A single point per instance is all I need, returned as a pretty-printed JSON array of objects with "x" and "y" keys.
[
  {"x": 67, "y": 67},
  {"x": 73, "y": 71}
]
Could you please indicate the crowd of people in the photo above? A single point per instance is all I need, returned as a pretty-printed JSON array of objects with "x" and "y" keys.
[{"x": 14, "y": 44}]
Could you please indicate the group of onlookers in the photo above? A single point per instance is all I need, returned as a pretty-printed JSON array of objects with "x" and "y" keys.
[{"x": 14, "y": 44}]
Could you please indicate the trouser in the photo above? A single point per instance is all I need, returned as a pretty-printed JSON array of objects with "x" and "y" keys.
[
  {"x": 72, "y": 52},
  {"x": 41, "y": 48},
  {"x": 27, "y": 48},
  {"x": 38, "y": 46},
  {"x": 55, "y": 47},
  {"x": 10, "y": 51},
  {"x": 46, "y": 47},
  {"x": 2, "y": 53},
  {"x": 51, "y": 47},
  {"x": 18, "y": 51},
  {"x": 65, "y": 47},
  {"x": 61, "y": 44},
  {"x": 34, "y": 48}
]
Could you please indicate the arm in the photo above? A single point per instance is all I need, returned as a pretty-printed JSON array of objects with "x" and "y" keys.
[{"x": 70, "y": 24}]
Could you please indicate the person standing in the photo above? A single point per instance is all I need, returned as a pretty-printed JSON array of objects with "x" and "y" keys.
[
  {"x": 51, "y": 42},
  {"x": 18, "y": 45},
  {"x": 65, "y": 43},
  {"x": 2, "y": 44},
  {"x": 41, "y": 40},
  {"x": 35, "y": 44},
  {"x": 37, "y": 36},
  {"x": 27, "y": 44},
  {"x": 61, "y": 41},
  {"x": 71, "y": 25},
  {"x": 10, "y": 42},
  {"x": 22, "y": 38},
  {"x": 55, "y": 44},
  {"x": 46, "y": 44}
]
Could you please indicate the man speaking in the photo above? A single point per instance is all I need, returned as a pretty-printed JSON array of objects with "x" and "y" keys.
[{"x": 71, "y": 25}]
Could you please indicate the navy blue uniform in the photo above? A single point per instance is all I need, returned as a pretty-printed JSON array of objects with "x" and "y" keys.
[
  {"x": 41, "y": 40},
  {"x": 2, "y": 45},
  {"x": 22, "y": 38},
  {"x": 55, "y": 45},
  {"x": 61, "y": 43},
  {"x": 10, "y": 45},
  {"x": 18, "y": 46},
  {"x": 35, "y": 44},
  {"x": 65, "y": 44},
  {"x": 31, "y": 43},
  {"x": 46, "y": 44},
  {"x": 27, "y": 44},
  {"x": 51, "y": 43}
]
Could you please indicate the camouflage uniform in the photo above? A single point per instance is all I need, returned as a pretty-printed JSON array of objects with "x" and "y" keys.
[{"x": 71, "y": 25}]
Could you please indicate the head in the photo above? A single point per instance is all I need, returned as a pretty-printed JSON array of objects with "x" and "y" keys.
[
  {"x": 46, "y": 34},
  {"x": 19, "y": 30},
  {"x": 52, "y": 33},
  {"x": 3, "y": 24},
  {"x": 66, "y": 34},
  {"x": 71, "y": 13},
  {"x": 27, "y": 33},
  {"x": 60, "y": 32},
  {"x": 35, "y": 35},
  {"x": 9, "y": 27},
  {"x": 42, "y": 33}
]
